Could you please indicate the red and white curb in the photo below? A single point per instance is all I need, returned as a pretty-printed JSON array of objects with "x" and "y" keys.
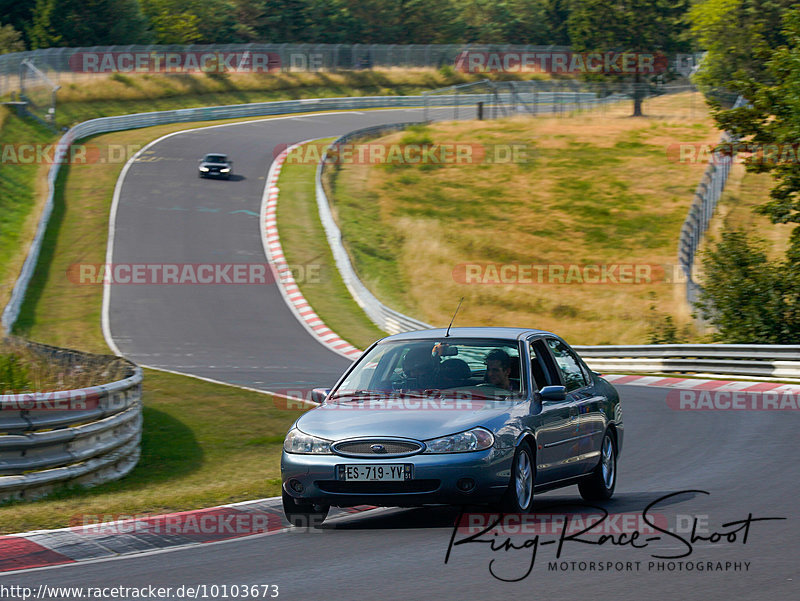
[
  {"x": 98, "y": 538},
  {"x": 699, "y": 384},
  {"x": 286, "y": 282}
]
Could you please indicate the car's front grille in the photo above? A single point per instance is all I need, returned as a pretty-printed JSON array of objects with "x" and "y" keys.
[
  {"x": 376, "y": 449},
  {"x": 378, "y": 488}
]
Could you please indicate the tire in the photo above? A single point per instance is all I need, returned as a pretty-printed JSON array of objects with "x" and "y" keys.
[
  {"x": 599, "y": 486},
  {"x": 518, "y": 497},
  {"x": 304, "y": 515}
]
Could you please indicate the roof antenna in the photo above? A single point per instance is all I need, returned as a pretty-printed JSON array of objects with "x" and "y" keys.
[{"x": 454, "y": 317}]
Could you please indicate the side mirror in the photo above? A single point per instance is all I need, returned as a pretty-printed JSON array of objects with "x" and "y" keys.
[
  {"x": 318, "y": 394},
  {"x": 552, "y": 393}
]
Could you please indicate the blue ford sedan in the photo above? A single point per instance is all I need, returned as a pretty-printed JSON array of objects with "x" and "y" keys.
[{"x": 458, "y": 416}]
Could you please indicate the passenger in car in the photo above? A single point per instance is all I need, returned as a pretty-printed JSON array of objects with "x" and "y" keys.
[{"x": 498, "y": 369}]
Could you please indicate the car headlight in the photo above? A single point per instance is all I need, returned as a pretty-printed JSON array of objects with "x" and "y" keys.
[
  {"x": 203, "y": 168},
  {"x": 299, "y": 442},
  {"x": 476, "y": 439},
  {"x": 225, "y": 170}
]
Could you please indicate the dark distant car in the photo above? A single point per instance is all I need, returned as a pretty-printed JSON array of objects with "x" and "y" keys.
[
  {"x": 215, "y": 165},
  {"x": 465, "y": 416}
]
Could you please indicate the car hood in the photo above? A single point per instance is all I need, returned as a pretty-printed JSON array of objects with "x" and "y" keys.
[
  {"x": 434, "y": 418},
  {"x": 204, "y": 164}
]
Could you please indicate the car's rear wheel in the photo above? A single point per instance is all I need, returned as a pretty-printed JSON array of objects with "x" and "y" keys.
[
  {"x": 599, "y": 486},
  {"x": 519, "y": 495},
  {"x": 304, "y": 515}
]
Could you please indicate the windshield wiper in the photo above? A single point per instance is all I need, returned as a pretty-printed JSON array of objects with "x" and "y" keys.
[{"x": 355, "y": 393}]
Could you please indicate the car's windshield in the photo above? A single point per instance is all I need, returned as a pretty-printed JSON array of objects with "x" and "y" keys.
[
  {"x": 476, "y": 368},
  {"x": 216, "y": 158}
]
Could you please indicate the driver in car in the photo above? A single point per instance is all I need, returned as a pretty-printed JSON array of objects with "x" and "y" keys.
[{"x": 419, "y": 368}]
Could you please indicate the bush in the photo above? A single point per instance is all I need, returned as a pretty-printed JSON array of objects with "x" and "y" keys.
[{"x": 748, "y": 298}]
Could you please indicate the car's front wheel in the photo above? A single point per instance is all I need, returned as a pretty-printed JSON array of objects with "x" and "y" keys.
[
  {"x": 519, "y": 495},
  {"x": 599, "y": 486},
  {"x": 304, "y": 515}
]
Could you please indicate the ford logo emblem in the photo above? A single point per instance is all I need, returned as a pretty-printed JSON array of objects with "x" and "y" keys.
[{"x": 378, "y": 448}]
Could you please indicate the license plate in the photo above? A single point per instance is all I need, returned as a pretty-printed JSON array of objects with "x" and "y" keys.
[{"x": 378, "y": 472}]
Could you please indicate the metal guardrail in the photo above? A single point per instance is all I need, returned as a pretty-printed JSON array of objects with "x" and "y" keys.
[
  {"x": 85, "y": 436},
  {"x": 385, "y": 318},
  {"x": 759, "y": 360},
  {"x": 706, "y": 196}
]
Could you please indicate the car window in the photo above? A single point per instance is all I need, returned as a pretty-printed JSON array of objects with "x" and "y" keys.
[
  {"x": 482, "y": 367},
  {"x": 216, "y": 158},
  {"x": 540, "y": 366},
  {"x": 568, "y": 364}
]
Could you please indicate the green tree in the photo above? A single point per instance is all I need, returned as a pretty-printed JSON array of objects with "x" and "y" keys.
[
  {"x": 193, "y": 21},
  {"x": 556, "y": 14},
  {"x": 772, "y": 119},
  {"x": 42, "y": 33},
  {"x": 639, "y": 26},
  {"x": 749, "y": 299},
  {"x": 17, "y": 14},
  {"x": 87, "y": 23},
  {"x": 738, "y": 37},
  {"x": 10, "y": 40},
  {"x": 754, "y": 51}
]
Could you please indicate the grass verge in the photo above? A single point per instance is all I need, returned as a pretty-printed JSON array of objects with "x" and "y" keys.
[
  {"x": 306, "y": 247},
  {"x": 597, "y": 189},
  {"x": 23, "y": 187}
]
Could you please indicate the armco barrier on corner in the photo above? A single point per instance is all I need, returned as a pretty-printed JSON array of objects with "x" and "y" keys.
[{"x": 86, "y": 436}]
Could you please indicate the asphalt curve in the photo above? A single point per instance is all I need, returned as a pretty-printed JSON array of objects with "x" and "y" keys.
[
  {"x": 242, "y": 334},
  {"x": 745, "y": 461}
]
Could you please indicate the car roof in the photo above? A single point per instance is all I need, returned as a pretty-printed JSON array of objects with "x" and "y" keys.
[
  {"x": 219, "y": 154},
  {"x": 476, "y": 332}
]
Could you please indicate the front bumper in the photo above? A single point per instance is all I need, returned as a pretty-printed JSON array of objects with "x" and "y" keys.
[
  {"x": 434, "y": 482},
  {"x": 215, "y": 174}
]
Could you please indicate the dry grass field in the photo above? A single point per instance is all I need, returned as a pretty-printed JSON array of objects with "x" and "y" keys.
[{"x": 598, "y": 189}]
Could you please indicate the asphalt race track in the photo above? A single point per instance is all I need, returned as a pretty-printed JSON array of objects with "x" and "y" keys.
[
  {"x": 242, "y": 334},
  {"x": 746, "y": 461}
]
